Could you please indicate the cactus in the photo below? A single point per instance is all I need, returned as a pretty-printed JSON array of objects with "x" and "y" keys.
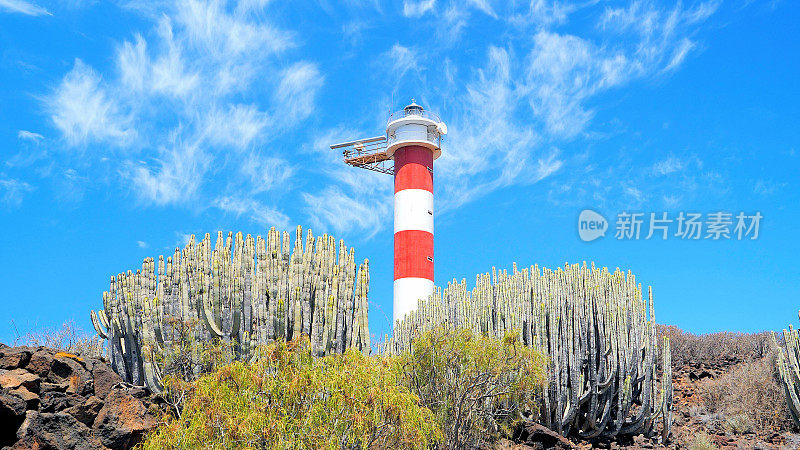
[
  {"x": 594, "y": 326},
  {"x": 788, "y": 364},
  {"x": 243, "y": 291}
]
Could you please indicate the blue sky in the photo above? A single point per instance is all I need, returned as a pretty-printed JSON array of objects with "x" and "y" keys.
[{"x": 125, "y": 126}]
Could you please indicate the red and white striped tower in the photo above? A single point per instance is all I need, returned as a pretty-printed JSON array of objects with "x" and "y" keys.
[{"x": 413, "y": 141}]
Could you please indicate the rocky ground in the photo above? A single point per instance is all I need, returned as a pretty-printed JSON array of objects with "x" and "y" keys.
[
  {"x": 54, "y": 400},
  {"x": 51, "y": 399},
  {"x": 691, "y": 420}
]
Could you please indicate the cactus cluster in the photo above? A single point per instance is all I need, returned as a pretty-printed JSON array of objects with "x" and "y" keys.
[
  {"x": 595, "y": 329},
  {"x": 788, "y": 362},
  {"x": 244, "y": 291}
]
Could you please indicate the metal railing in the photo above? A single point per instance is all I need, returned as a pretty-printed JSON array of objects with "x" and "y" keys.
[
  {"x": 367, "y": 153},
  {"x": 423, "y": 113}
]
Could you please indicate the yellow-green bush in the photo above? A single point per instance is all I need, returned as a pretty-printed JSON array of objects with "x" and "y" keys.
[
  {"x": 288, "y": 399},
  {"x": 476, "y": 386}
]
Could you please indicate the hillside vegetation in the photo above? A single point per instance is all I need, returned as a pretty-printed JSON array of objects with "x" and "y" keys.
[
  {"x": 452, "y": 389},
  {"x": 727, "y": 391}
]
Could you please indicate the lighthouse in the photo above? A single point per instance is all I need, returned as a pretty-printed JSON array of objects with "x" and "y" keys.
[{"x": 407, "y": 151}]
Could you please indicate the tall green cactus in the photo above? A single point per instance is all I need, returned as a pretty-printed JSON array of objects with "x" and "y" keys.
[
  {"x": 592, "y": 324},
  {"x": 788, "y": 362},
  {"x": 244, "y": 291}
]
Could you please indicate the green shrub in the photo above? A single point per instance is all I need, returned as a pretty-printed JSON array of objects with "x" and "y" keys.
[
  {"x": 287, "y": 398},
  {"x": 476, "y": 386},
  {"x": 186, "y": 360}
]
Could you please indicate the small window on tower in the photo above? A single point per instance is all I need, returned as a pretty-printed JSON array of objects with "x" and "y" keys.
[
  {"x": 430, "y": 259},
  {"x": 430, "y": 212}
]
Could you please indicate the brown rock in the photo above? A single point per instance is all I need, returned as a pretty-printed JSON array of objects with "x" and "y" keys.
[
  {"x": 104, "y": 379},
  {"x": 123, "y": 421},
  {"x": 56, "y": 431},
  {"x": 13, "y": 358},
  {"x": 89, "y": 363},
  {"x": 53, "y": 387},
  {"x": 40, "y": 362},
  {"x": 12, "y": 379},
  {"x": 58, "y": 401},
  {"x": 539, "y": 436},
  {"x": 31, "y": 399},
  {"x": 642, "y": 442},
  {"x": 86, "y": 412},
  {"x": 64, "y": 368},
  {"x": 12, "y": 413}
]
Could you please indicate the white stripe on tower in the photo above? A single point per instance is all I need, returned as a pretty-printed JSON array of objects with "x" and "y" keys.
[{"x": 413, "y": 210}]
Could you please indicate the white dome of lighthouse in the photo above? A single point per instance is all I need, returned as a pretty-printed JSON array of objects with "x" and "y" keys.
[{"x": 413, "y": 125}]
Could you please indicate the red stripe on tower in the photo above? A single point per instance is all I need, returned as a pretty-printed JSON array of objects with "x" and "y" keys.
[{"x": 413, "y": 168}]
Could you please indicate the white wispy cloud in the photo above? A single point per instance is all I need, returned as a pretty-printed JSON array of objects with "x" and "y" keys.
[
  {"x": 83, "y": 111},
  {"x": 181, "y": 239},
  {"x": 535, "y": 90},
  {"x": 167, "y": 74},
  {"x": 635, "y": 196},
  {"x": 254, "y": 210},
  {"x": 543, "y": 13},
  {"x": 200, "y": 97},
  {"x": 194, "y": 101},
  {"x": 354, "y": 31},
  {"x": 344, "y": 213},
  {"x": 767, "y": 187},
  {"x": 264, "y": 173},
  {"x": 669, "y": 165},
  {"x": 70, "y": 185},
  {"x": 703, "y": 11},
  {"x": 237, "y": 126},
  {"x": 29, "y": 136},
  {"x": 354, "y": 200},
  {"x": 174, "y": 177},
  {"x": 417, "y": 8},
  {"x": 141, "y": 244},
  {"x": 663, "y": 36},
  {"x": 13, "y": 191},
  {"x": 562, "y": 72},
  {"x": 482, "y": 5},
  {"x": 23, "y": 7},
  {"x": 547, "y": 166},
  {"x": 211, "y": 27},
  {"x": 679, "y": 54},
  {"x": 296, "y": 94},
  {"x": 672, "y": 201},
  {"x": 489, "y": 147},
  {"x": 403, "y": 60},
  {"x": 454, "y": 20}
]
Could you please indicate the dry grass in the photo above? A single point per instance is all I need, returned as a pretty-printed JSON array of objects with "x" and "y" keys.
[
  {"x": 716, "y": 348},
  {"x": 702, "y": 442},
  {"x": 748, "y": 398},
  {"x": 69, "y": 338}
]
